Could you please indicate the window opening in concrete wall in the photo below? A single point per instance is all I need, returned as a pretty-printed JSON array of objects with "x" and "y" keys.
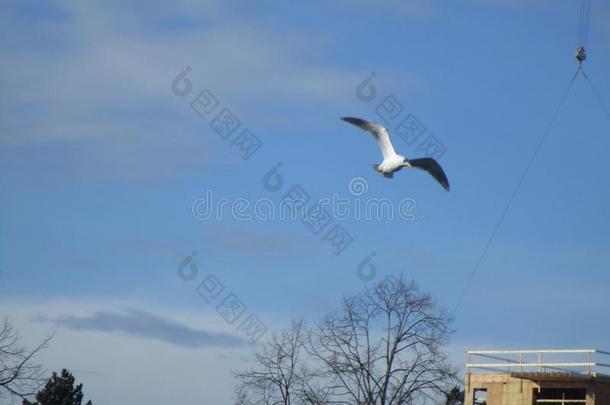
[
  {"x": 561, "y": 396},
  {"x": 480, "y": 396}
]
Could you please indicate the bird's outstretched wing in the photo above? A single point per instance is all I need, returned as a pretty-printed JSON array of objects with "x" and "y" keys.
[
  {"x": 378, "y": 131},
  {"x": 431, "y": 166}
]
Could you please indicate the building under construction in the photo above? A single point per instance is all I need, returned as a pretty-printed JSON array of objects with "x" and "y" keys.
[{"x": 530, "y": 377}]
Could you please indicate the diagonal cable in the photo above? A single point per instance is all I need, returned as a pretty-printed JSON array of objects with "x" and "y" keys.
[
  {"x": 597, "y": 95},
  {"x": 514, "y": 193}
]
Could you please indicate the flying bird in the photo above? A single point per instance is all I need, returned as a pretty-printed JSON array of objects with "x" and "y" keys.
[{"x": 392, "y": 161}]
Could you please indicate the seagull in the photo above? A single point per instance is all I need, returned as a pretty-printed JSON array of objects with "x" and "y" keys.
[{"x": 392, "y": 161}]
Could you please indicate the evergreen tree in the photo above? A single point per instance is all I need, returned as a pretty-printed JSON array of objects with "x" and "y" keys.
[
  {"x": 59, "y": 390},
  {"x": 455, "y": 396}
]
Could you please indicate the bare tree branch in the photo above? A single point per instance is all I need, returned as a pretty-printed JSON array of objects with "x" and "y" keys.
[
  {"x": 274, "y": 379},
  {"x": 382, "y": 347},
  {"x": 20, "y": 375}
]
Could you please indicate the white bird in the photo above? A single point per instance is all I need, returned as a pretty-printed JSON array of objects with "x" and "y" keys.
[{"x": 392, "y": 161}]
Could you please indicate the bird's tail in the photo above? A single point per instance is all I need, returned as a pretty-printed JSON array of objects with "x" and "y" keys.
[{"x": 386, "y": 175}]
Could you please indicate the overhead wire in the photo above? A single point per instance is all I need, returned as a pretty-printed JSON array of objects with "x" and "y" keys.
[
  {"x": 587, "y": 23},
  {"x": 582, "y": 39},
  {"x": 584, "y": 23},
  {"x": 509, "y": 203},
  {"x": 597, "y": 95}
]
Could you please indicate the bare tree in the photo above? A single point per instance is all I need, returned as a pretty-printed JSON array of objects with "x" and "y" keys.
[
  {"x": 20, "y": 374},
  {"x": 275, "y": 379},
  {"x": 384, "y": 346}
]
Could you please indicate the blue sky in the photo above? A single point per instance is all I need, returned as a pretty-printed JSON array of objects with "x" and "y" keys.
[{"x": 100, "y": 163}]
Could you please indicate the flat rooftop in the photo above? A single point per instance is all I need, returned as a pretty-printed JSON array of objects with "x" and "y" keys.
[
  {"x": 537, "y": 377},
  {"x": 537, "y": 363}
]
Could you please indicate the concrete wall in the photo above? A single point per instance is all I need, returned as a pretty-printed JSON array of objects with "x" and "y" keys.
[
  {"x": 503, "y": 389},
  {"x": 601, "y": 393}
]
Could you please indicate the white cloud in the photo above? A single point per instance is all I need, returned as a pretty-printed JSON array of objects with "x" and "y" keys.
[
  {"x": 111, "y": 62},
  {"x": 139, "y": 371},
  {"x": 251, "y": 243},
  {"x": 91, "y": 91},
  {"x": 143, "y": 324},
  {"x": 412, "y": 8}
]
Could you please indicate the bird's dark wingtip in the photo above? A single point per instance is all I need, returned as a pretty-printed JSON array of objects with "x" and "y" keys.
[{"x": 354, "y": 120}]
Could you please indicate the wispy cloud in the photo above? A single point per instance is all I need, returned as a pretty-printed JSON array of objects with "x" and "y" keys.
[
  {"x": 106, "y": 61},
  {"x": 251, "y": 243},
  {"x": 145, "y": 325},
  {"x": 102, "y": 358},
  {"x": 412, "y": 8},
  {"x": 513, "y": 3},
  {"x": 86, "y": 88}
]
